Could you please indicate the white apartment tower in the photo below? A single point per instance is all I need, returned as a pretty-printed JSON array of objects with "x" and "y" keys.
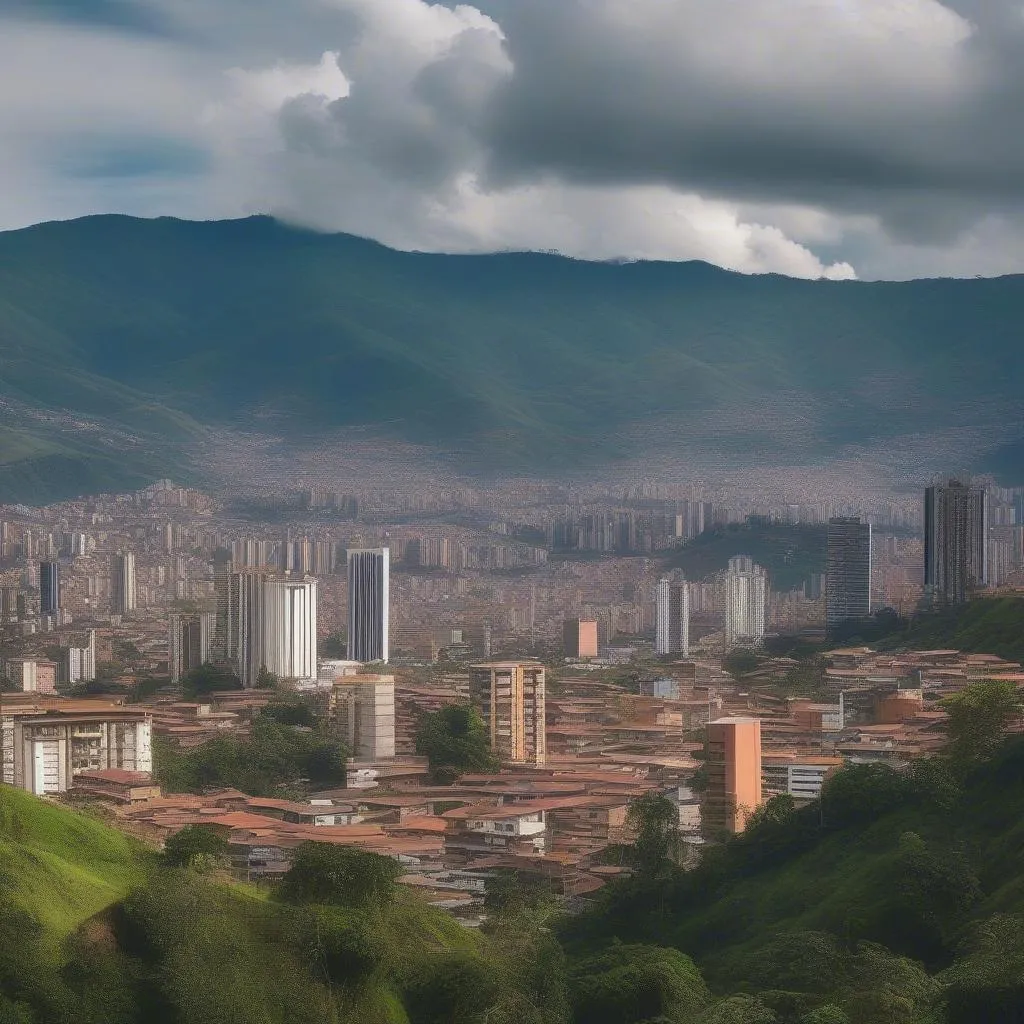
[
  {"x": 672, "y": 617},
  {"x": 271, "y": 624},
  {"x": 368, "y": 604},
  {"x": 746, "y": 598}
]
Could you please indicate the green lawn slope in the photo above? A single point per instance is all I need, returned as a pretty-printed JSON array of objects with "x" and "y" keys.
[{"x": 61, "y": 866}]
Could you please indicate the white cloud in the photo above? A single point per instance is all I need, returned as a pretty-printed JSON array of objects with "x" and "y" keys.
[{"x": 799, "y": 136}]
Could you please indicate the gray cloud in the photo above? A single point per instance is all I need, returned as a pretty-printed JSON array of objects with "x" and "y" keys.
[{"x": 787, "y": 135}]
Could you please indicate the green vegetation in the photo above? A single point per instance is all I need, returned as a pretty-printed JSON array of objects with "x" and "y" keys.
[
  {"x": 789, "y": 554},
  {"x": 519, "y": 359},
  {"x": 455, "y": 742},
  {"x": 274, "y": 758},
  {"x": 886, "y": 904},
  {"x": 986, "y": 625},
  {"x": 207, "y": 679},
  {"x": 195, "y": 847},
  {"x": 96, "y": 930}
]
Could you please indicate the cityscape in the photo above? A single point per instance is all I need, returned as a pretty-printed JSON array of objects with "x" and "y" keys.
[{"x": 512, "y": 512}]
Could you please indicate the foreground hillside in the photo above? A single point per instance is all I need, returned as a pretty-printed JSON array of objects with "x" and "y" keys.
[
  {"x": 899, "y": 899},
  {"x": 94, "y": 929},
  {"x": 155, "y": 328}
]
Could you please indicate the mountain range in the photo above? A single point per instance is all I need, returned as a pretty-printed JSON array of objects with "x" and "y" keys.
[{"x": 124, "y": 341}]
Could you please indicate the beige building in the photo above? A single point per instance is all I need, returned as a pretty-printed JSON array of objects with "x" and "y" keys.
[
  {"x": 733, "y": 758},
  {"x": 46, "y": 743},
  {"x": 510, "y": 696},
  {"x": 364, "y": 710}
]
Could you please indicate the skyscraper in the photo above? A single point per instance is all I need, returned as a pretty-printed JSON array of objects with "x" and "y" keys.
[
  {"x": 672, "y": 617},
  {"x": 511, "y": 699},
  {"x": 954, "y": 541},
  {"x": 733, "y": 759},
  {"x": 122, "y": 583},
  {"x": 848, "y": 571},
  {"x": 271, "y": 625},
  {"x": 190, "y": 641},
  {"x": 49, "y": 588},
  {"x": 289, "y": 628},
  {"x": 368, "y": 604},
  {"x": 746, "y": 596}
]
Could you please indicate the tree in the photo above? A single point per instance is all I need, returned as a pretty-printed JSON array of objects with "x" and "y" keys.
[
  {"x": 776, "y": 811},
  {"x": 454, "y": 741},
  {"x": 334, "y": 646},
  {"x": 827, "y": 1014},
  {"x": 629, "y": 984},
  {"x": 979, "y": 716},
  {"x": 654, "y": 820},
  {"x": 739, "y": 1010},
  {"x": 209, "y": 678},
  {"x": 739, "y": 662},
  {"x": 195, "y": 846},
  {"x": 339, "y": 875},
  {"x": 266, "y": 680},
  {"x": 290, "y": 713}
]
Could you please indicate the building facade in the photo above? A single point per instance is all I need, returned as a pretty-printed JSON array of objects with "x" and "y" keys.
[
  {"x": 746, "y": 599},
  {"x": 955, "y": 552},
  {"x": 368, "y": 604},
  {"x": 364, "y": 712},
  {"x": 848, "y": 571},
  {"x": 271, "y": 625},
  {"x": 49, "y": 588},
  {"x": 672, "y": 617},
  {"x": 123, "y": 589},
  {"x": 511, "y": 699},
  {"x": 579, "y": 638},
  {"x": 190, "y": 642},
  {"x": 46, "y": 745},
  {"x": 733, "y": 759}
]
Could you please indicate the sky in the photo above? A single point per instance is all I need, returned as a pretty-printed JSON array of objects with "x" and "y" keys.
[{"x": 815, "y": 138}]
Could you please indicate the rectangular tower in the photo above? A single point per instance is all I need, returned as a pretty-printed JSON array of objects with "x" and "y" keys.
[
  {"x": 49, "y": 588},
  {"x": 368, "y": 604},
  {"x": 579, "y": 638},
  {"x": 954, "y": 541},
  {"x": 733, "y": 759},
  {"x": 746, "y": 598},
  {"x": 672, "y": 618},
  {"x": 122, "y": 583},
  {"x": 848, "y": 571},
  {"x": 510, "y": 696}
]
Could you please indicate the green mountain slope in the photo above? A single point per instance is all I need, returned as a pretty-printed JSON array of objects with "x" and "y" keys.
[
  {"x": 156, "y": 326},
  {"x": 893, "y": 880}
]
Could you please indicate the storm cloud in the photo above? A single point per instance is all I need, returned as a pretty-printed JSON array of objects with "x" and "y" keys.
[{"x": 808, "y": 137}]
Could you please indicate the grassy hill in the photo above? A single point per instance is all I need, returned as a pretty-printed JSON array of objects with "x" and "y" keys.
[
  {"x": 94, "y": 930},
  {"x": 155, "y": 328}
]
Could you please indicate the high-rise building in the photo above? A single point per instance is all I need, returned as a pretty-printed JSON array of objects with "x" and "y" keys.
[
  {"x": 49, "y": 588},
  {"x": 579, "y": 638},
  {"x": 190, "y": 642},
  {"x": 122, "y": 583},
  {"x": 364, "y": 709},
  {"x": 733, "y": 759},
  {"x": 289, "y": 628},
  {"x": 81, "y": 661},
  {"x": 954, "y": 541},
  {"x": 746, "y": 597},
  {"x": 848, "y": 571},
  {"x": 672, "y": 617},
  {"x": 271, "y": 624},
  {"x": 368, "y": 604},
  {"x": 510, "y": 696}
]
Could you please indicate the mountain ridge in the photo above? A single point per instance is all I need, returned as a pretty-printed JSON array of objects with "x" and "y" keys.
[{"x": 165, "y": 328}]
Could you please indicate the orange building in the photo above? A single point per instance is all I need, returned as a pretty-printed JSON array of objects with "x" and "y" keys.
[
  {"x": 733, "y": 752},
  {"x": 579, "y": 637}
]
